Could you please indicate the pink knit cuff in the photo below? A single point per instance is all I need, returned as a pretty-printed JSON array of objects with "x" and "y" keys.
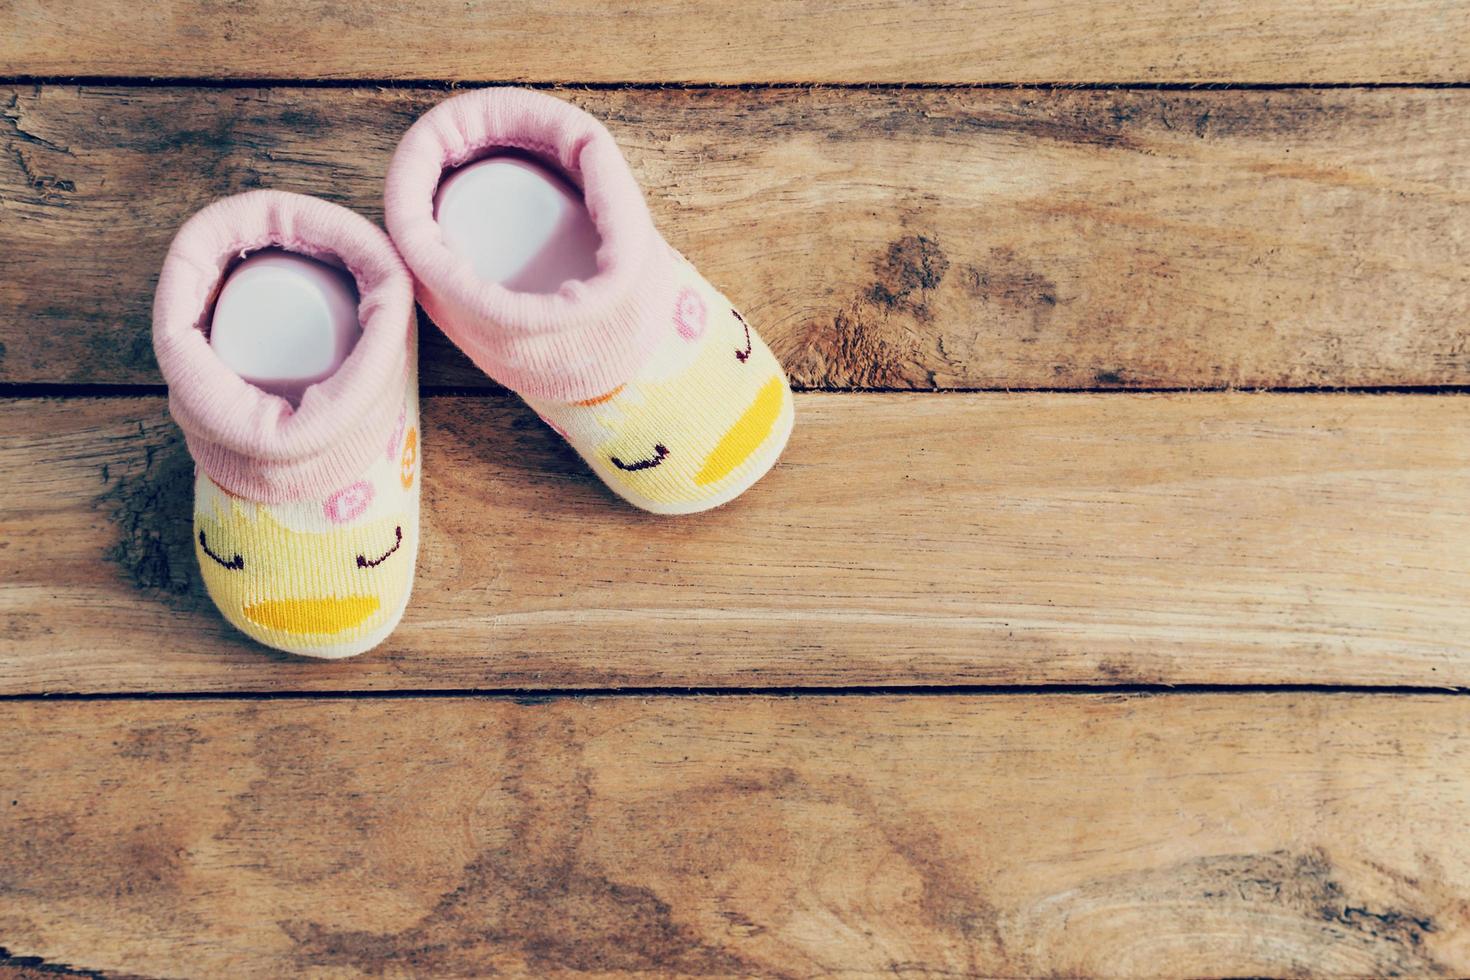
[
  {"x": 590, "y": 336},
  {"x": 252, "y": 443}
]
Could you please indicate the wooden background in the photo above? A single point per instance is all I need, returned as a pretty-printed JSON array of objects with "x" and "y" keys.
[{"x": 1108, "y": 614}]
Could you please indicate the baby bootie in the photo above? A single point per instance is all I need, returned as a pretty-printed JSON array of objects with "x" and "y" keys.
[
  {"x": 649, "y": 372},
  {"x": 305, "y": 518}
]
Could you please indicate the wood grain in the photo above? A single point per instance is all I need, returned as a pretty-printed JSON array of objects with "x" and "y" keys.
[
  {"x": 904, "y": 539},
  {"x": 741, "y": 42},
  {"x": 1033, "y": 835},
  {"x": 897, "y": 239}
]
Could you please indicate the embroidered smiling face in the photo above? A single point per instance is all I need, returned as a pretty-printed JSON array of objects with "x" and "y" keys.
[
  {"x": 325, "y": 577},
  {"x": 704, "y": 419}
]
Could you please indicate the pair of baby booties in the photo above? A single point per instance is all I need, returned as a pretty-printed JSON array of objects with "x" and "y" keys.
[{"x": 306, "y": 519}]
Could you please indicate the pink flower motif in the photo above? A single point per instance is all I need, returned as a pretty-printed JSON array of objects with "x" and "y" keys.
[
  {"x": 349, "y": 503},
  {"x": 397, "y": 434},
  {"x": 689, "y": 315}
]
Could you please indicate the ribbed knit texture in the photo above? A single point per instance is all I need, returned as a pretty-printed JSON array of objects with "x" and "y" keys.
[
  {"x": 322, "y": 577},
  {"x": 305, "y": 520},
  {"x": 250, "y": 442},
  {"x": 572, "y": 344},
  {"x": 645, "y": 368}
]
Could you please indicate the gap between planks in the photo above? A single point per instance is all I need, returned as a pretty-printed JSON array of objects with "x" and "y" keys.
[
  {"x": 48, "y": 390},
  {"x": 530, "y": 696},
  {"x": 452, "y": 85}
]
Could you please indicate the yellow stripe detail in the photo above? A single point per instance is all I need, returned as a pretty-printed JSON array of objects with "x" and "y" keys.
[
  {"x": 745, "y": 436},
  {"x": 301, "y": 616}
]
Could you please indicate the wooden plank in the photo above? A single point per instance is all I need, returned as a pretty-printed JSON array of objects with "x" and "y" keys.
[
  {"x": 904, "y": 539},
  {"x": 1198, "y": 835},
  {"x": 881, "y": 238},
  {"x": 776, "y": 40}
]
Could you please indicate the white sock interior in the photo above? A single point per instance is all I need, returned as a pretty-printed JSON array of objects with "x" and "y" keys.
[
  {"x": 283, "y": 322},
  {"x": 519, "y": 222}
]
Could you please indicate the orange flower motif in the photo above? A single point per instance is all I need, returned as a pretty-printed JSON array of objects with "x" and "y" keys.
[{"x": 409, "y": 462}]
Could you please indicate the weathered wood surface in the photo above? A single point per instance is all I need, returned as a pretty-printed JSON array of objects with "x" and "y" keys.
[
  {"x": 1031, "y": 835},
  {"x": 906, "y": 239},
  {"x": 881, "y": 238},
  {"x": 735, "y": 42},
  {"x": 904, "y": 539}
]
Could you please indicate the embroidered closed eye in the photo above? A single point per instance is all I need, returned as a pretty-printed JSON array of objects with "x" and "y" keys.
[
  {"x": 365, "y": 562},
  {"x": 235, "y": 564},
  {"x": 660, "y": 453},
  {"x": 743, "y": 355}
]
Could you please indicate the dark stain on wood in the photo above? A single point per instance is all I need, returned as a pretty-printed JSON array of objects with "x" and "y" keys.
[
  {"x": 14, "y": 966},
  {"x": 1282, "y": 892},
  {"x": 1140, "y": 120},
  {"x": 1392, "y": 924},
  {"x": 914, "y": 264},
  {"x": 539, "y": 895},
  {"x": 1007, "y": 281},
  {"x": 167, "y": 744},
  {"x": 114, "y": 346},
  {"x": 292, "y": 759},
  {"x": 878, "y": 340},
  {"x": 46, "y": 188},
  {"x": 951, "y": 898},
  {"x": 152, "y": 507},
  {"x": 139, "y": 865},
  {"x": 1088, "y": 120},
  {"x": 770, "y": 812}
]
